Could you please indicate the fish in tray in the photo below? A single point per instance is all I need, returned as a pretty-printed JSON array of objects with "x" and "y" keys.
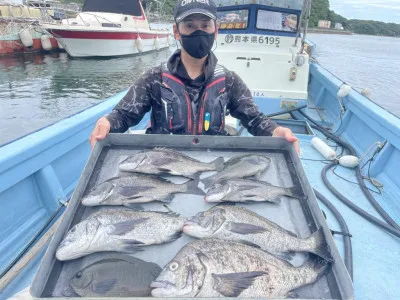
[
  {"x": 121, "y": 230},
  {"x": 161, "y": 161},
  {"x": 240, "y": 167},
  {"x": 217, "y": 268},
  {"x": 119, "y": 276},
  {"x": 240, "y": 224},
  {"x": 244, "y": 190},
  {"x": 137, "y": 188}
]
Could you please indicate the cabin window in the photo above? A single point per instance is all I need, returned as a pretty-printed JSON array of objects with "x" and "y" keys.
[
  {"x": 233, "y": 19},
  {"x": 276, "y": 21}
]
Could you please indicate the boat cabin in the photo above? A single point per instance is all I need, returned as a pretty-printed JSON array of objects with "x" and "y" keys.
[
  {"x": 259, "y": 40},
  {"x": 127, "y": 14}
]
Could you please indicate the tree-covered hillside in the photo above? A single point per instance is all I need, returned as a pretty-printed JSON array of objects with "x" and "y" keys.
[{"x": 320, "y": 11}]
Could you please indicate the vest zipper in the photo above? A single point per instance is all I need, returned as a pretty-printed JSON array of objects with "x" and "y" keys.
[
  {"x": 200, "y": 129},
  {"x": 189, "y": 108}
]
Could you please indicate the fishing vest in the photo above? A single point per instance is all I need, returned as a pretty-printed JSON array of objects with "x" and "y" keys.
[{"x": 173, "y": 113}]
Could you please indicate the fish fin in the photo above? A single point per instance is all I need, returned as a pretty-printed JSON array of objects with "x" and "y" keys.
[
  {"x": 104, "y": 286},
  {"x": 273, "y": 224},
  {"x": 165, "y": 170},
  {"x": 131, "y": 246},
  {"x": 167, "y": 199},
  {"x": 209, "y": 181},
  {"x": 170, "y": 211},
  {"x": 288, "y": 256},
  {"x": 258, "y": 175},
  {"x": 295, "y": 192},
  {"x": 233, "y": 284},
  {"x": 162, "y": 160},
  {"x": 192, "y": 187},
  {"x": 112, "y": 178},
  {"x": 224, "y": 204},
  {"x": 218, "y": 163},
  {"x": 243, "y": 228},
  {"x": 161, "y": 148},
  {"x": 134, "y": 206},
  {"x": 175, "y": 236},
  {"x": 245, "y": 187},
  {"x": 129, "y": 191},
  {"x": 193, "y": 176},
  {"x": 293, "y": 295},
  {"x": 126, "y": 226},
  {"x": 249, "y": 244},
  {"x": 322, "y": 248},
  {"x": 317, "y": 264}
]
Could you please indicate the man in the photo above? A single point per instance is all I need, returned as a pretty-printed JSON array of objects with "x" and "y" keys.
[{"x": 190, "y": 93}]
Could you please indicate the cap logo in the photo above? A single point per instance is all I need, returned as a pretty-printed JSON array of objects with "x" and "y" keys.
[{"x": 184, "y": 2}]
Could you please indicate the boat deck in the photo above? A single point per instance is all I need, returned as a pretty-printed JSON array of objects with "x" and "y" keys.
[{"x": 375, "y": 252}]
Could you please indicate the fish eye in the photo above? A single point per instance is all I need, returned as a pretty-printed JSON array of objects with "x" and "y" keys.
[
  {"x": 78, "y": 275},
  {"x": 174, "y": 266}
]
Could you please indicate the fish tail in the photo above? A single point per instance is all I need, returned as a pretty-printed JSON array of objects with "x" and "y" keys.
[
  {"x": 218, "y": 164},
  {"x": 317, "y": 265},
  {"x": 191, "y": 187},
  {"x": 209, "y": 180},
  {"x": 175, "y": 236},
  {"x": 294, "y": 192},
  {"x": 321, "y": 247}
]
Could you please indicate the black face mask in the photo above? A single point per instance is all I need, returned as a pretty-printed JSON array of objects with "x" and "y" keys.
[{"x": 198, "y": 44}]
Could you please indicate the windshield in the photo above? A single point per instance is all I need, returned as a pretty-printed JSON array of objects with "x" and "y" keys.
[
  {"x": 233, "y": 19},
  {"x": 276, "y": 21}
]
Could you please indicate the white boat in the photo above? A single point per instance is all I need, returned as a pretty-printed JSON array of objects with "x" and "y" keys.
[{"x": 108, "y": 29}]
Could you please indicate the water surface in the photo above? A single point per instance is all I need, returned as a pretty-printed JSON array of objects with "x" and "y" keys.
[{"x": 39, "y": 89}]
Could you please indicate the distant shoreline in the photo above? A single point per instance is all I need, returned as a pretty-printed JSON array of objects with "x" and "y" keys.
[{"x": 328, "y": 31}]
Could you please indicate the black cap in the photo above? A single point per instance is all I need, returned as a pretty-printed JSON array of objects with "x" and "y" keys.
[{"x": 185, "y": 8}]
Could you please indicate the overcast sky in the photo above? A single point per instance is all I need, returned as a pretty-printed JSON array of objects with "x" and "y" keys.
[{"x": 379, "y": 10}]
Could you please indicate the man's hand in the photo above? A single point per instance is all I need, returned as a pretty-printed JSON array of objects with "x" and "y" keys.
[
  {"x": 288, "y": 135},
  {"x": 100, "y": 131}
]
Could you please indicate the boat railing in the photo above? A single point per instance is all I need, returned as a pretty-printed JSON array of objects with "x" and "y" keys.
[
  {"x": 79, "y": 19},
  {"x": 20, "y": 16},
  {"x": 53, "y": 11}
]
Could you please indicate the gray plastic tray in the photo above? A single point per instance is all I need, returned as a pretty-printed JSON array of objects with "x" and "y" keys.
[
  {"x": 297, "y": 126},
  {"x": 299, "y": 216}
]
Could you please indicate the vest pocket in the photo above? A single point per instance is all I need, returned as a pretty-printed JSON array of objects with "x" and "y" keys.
[
  {"x": 218, "y": 114},
  {"x": 173, "y": 112}
]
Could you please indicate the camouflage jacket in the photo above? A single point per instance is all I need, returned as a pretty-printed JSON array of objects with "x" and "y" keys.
[{"x": 146, "y": 95}]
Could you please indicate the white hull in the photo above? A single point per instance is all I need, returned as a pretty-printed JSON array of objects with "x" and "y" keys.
[
  {"x": 108, "y": 34},
  {"x": 104, "y": 47}
]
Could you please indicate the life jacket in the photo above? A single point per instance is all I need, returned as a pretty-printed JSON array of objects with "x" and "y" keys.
[{"x": 173, "y": 113}]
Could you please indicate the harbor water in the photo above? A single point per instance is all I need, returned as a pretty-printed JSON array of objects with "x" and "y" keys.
[{"x": 39, "y": 89}]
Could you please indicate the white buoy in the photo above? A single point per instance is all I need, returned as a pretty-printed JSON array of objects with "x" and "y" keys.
[
  {"x": 139, "y": 44},
  {"x": 323, "y": 148},
  {"x": 157, "y": 43},
  {"x": 26, "y": 37},
  {"x": 169, "y": 40},
  {"x": 366, "y": 93},
  {"x": 349, "y": 161},
  {"x": 344, "y": 90},
  {"x": 46, "y": 43}
]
